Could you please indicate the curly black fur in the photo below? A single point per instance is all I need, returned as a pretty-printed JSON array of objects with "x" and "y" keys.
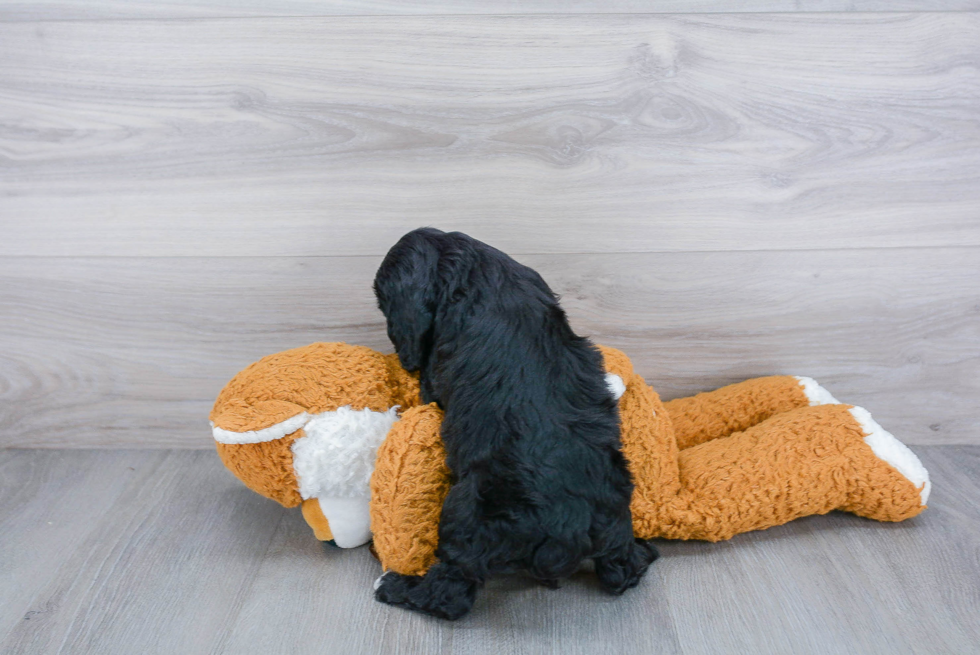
[{"x": 531, "y": 430}]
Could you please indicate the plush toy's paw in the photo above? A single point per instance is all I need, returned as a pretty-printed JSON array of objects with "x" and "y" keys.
[
  {"x": 892, "y": 484},
  {"x": 815, "y": 394},
  {"x": 617, "y": 574},
  {"x": 442, "y": 592},
  {"x": 891, "y": 450},
  {"x": 883, "y": 443}
]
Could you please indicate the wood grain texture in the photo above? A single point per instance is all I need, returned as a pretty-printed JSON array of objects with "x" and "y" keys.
[
  {"x": 332, "y": 136},
  {"x": 18, "y": 10},
  {"x": 188, "y": 560},
  {"x": 40, "y": 503},
  {"x": 133, "y": 351},
  {"x": 840, "y": 584},
  {"x": 158, "y": 565}
]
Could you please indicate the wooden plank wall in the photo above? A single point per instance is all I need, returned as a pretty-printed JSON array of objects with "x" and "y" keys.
[
  {"x": 187, "y": 186},
  {"x": 141, "y": 9}
]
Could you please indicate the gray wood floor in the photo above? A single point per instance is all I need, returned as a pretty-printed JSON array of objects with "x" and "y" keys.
[{"x": 126, "y": 551}]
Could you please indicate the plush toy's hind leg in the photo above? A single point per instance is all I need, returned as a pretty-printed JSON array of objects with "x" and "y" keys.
[
  {"x": 738, "y": 407},
  {"x": 805, "y": 461}
]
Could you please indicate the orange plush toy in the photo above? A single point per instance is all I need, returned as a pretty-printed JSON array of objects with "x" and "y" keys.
[{"x": 341, "y": 430}]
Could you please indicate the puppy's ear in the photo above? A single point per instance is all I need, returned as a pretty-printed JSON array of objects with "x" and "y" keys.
[{"x": 405, "y": 286}]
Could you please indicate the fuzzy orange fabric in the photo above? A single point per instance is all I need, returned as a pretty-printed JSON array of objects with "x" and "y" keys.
[
  {"x": 733, "y": 408},
  {"x": 648, "y": 443},
  {"x": 806, "y": 461},
  {"x": 316, "y": 378},
  {"x": 402, "y": 385},
  {"x": 316, "y": 520},
  {"x": 617, "y": 362},
  {"x": 265, "y": 468},
  {"x": 410, "y": 481}
]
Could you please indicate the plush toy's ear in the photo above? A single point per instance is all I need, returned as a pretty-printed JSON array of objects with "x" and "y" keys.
[{"x": 406, "y": 288}]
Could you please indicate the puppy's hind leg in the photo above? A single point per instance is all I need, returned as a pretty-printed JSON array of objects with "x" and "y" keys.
[
  {"x": 621, "y": 566},
  {"x": 442, "y": 592}
]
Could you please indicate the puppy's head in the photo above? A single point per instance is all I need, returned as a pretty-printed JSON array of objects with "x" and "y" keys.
[{"x": 406, "y": 286}]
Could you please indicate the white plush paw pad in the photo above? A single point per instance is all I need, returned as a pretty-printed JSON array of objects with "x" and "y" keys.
[
  {"x": 616, "y": 385},
  {"x": 816, "y": 394},
  {"x": 891, "y": 450}
]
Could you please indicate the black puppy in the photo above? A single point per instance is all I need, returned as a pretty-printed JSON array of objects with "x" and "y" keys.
[{"x": 531, "y": 429}]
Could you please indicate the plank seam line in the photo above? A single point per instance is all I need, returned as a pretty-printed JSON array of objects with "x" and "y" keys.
[
  {"x": 161, "y": 19},
  {"x": 512, "y": 253}
]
